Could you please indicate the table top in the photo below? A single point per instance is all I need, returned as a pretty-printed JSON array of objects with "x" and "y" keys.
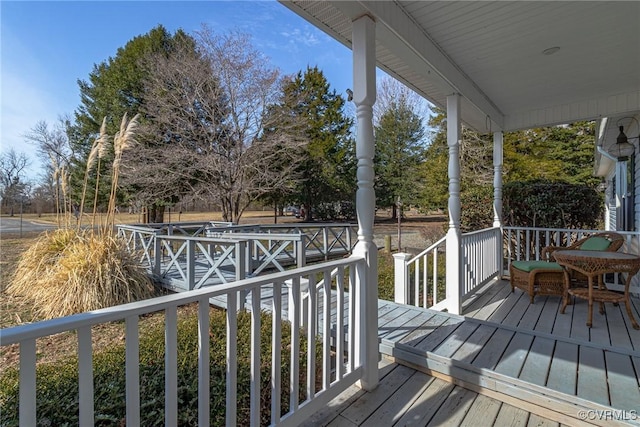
[{"x": 598, "y": 262}]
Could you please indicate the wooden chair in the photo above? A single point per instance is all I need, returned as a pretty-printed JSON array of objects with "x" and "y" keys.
[{"x": 546, "y": 277}]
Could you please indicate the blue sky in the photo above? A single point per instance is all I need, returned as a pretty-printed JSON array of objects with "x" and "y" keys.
[{"x": 47, "y": 46}]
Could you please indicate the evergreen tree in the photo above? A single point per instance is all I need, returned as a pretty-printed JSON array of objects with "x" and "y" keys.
[
  {"x": 399, "y": 138},
  {"x": 327, "y": 172},
  {"x": 561, "y": 154},
  {"x": 115, "y": 87}
]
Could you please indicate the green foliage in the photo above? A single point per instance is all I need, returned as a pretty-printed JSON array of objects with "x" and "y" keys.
[
  {"x": 327, "y": 173},
  {"x": 386, "y": 276},
  {"x": 532, "y": 160},
  {"x": 400, "y": 143},
  {"x": 477, "y": 208},
  {"x": 551, "y": 205},
  {"x": 558, "y": 153},
  {"x": 433, "y": 172},
  {"x": 114, "y": 87},
  {"x": 57, "y": 384}
]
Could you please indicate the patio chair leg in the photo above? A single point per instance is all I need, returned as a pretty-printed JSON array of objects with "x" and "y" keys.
[
  {"x": 531, "y": 299},
  {"x": 627, "y": 304},
  {"x": 601, "y": 307},
  {"x": 565, "y": 301}
]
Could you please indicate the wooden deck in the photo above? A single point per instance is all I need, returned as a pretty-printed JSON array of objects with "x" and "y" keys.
[{"x": 505, "y": 362}]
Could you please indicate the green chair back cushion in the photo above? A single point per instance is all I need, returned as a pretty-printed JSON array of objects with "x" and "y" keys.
[
  {"x": 595, "y": 244},
  {"x": 529, "y": 266}
]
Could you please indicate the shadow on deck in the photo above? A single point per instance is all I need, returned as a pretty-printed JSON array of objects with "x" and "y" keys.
[{"x": 504, "y": 361}]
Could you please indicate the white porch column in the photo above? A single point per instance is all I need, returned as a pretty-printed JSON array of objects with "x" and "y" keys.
[
  {"x": 497, "y": 179},
  {"x": 454, "y": 265},
  {"x": 364, "y": 96}
]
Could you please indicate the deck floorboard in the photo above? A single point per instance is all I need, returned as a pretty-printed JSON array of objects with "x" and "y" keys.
[
  {"x": 504, "y": 361},
  {"x": 506, "y": 339}
]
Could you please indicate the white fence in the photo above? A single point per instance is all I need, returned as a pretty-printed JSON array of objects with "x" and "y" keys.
[
  {"x": 485, "y": 256},
  {"x": 420, "y": 280},
  {"x": 481, "y": 258},
  {"x": 187, "y": 256},
  {"x": 526, "y": 243},
  {"x": 332, "y": 323}
]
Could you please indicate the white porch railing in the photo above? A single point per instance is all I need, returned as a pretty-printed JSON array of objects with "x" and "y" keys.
[
  {"x": 187, "y": 263},
  {"x": 486, "y": 255},
  {"x": 421, "y": 280},
  {"x": 336, "y": 370},
  {"x": 526, "y": 243},
  {"x": 186, "y": 256},
  {"x": 481, "y": 258}
]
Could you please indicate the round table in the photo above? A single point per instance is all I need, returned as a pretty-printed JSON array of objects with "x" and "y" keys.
[{"x": 594, "y": 264}]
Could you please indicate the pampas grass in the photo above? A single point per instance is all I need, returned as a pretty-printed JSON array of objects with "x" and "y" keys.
[
  {"x": 68, "y": 271},
  {"x": 72, "y": 270}
]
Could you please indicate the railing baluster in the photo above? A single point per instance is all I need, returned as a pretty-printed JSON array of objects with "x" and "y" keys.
[
  {"x": 276, "y": 348},
  {"x": 85, "y": 377},
  {"x": 340, "y": 323},
  {"x": 232, "y": 359},
  {"x": 171, "y": 366},
  {"x": 311, "y": 337},
  {"x": 190, "y": 272},
  {"x": 294, "y": 388},
  {"x": 425, "y": 282},
  {"x": 132, "y": 370},
  {"x": 416, "y": 284},
  {"x": 352, "y": 318},
  {"x": 434, "y": 277},
  {"x": 27, "y": 407},
  {"x": 255, "y": 356},
  {"x": 326, "y": 330},
  {"x": 204, "y": 360}
]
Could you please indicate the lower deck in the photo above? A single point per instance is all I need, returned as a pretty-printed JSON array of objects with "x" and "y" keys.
[{"x": 503, "y": 358}]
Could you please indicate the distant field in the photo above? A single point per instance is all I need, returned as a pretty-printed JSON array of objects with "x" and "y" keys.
[{"x": 265, "y": 216}]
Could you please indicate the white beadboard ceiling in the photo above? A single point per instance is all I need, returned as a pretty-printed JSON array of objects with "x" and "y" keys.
[{"x": 491, "y": 52}]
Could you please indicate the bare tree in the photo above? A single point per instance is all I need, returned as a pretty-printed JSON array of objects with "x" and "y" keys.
[
  {"x": 55, "y": 151},
  {"x": 207, "y": 112},
  {"x": 391, "y": 92},
  {"x": 13, "y": 186}
]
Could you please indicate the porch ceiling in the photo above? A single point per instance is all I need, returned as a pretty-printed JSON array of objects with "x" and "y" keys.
[{"x": 493, "y": 54}]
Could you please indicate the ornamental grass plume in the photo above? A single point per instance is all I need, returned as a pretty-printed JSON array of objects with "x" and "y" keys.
[
  {"x": 68, "y": 271},
  {"x": 73, "y": 270},
  {"x": 123, "y": 140},
  {"x": 94, "y": 155},
  {"x": 102, "y": 144}
]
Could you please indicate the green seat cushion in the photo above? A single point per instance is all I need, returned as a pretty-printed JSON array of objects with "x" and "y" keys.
[
  {"x": 595, "y": 244},
  {"x": 529, "y": 266}
]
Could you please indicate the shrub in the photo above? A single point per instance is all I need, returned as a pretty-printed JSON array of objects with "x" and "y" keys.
[
  {"x": 57, "y": 383},
  {"x": 551, "y": 205},
  {"x": 476, "y": 208},
  {"x": 68, "y": 271},
  {"x": 386, "y": 276}
]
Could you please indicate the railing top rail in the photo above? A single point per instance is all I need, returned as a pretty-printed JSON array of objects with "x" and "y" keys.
[
  {"x": 258, "y": 236},
  {"x": 484, "y": 230},
  {"x": 310, "y": 225},
  {"x": 570, "y": 230},
  {"x": 429, "y": 249},
  {"x": 136, "y": 228},
  {"x": 63, "y": 324},
  {"x": 225, "y": 241}
]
